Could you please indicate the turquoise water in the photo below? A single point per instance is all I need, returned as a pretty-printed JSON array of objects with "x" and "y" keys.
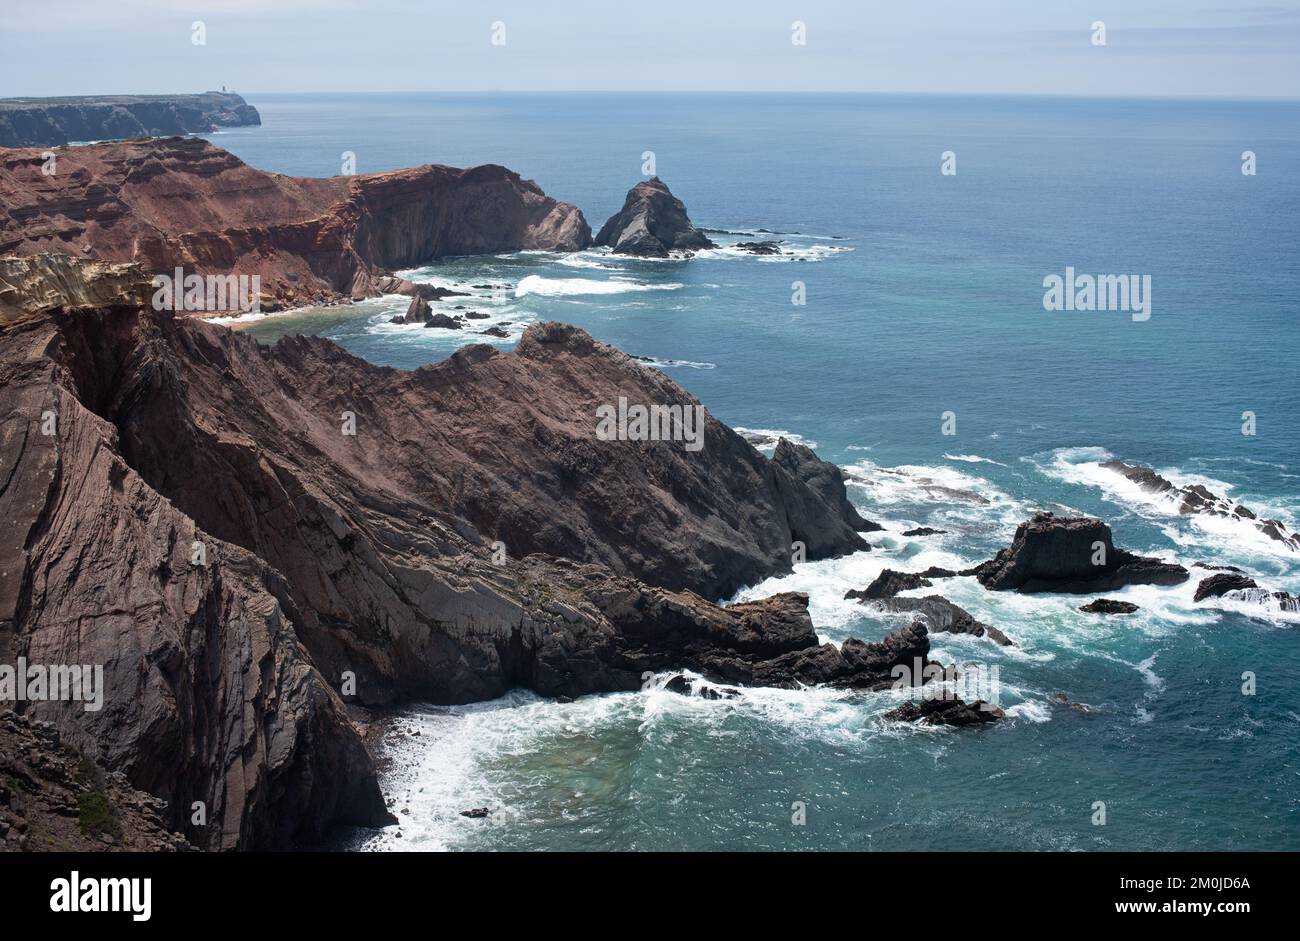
[{"x": 924, "y": 295}]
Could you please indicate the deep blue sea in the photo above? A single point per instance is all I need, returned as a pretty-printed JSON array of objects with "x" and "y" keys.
[{"x": 924, "y": 295}]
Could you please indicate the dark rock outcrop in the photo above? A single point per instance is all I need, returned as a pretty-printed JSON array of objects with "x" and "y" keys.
[
  {"x": 1221, "y": 584},
  {"x": 652, "y": 223},
  {"x": 1197, "y": 498},
  {"x": 940, "y": 711},
  {"x": 889, "y": 583},
  {"x": 443, "y": 321},
  {"x": 1056, "y": 554},
  {"x": 53, "y": 122},
  {"x": 1109, "y": 606},
  {"x": 418, "y": 311},
  {"x": 826, "y": 481},
  {"x": 183, "y": 202}
]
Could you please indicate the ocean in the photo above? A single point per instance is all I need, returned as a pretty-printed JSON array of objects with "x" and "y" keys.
[{"x": 923, "y": 302}]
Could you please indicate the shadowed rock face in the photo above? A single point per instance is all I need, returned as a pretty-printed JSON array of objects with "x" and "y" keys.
[
  {"x": 1051, "y": 553},
  {"x": 322, "y": 554},
  {"x": 209, "y": 695},
  {"x": 652, "y": 223},
  {"x": 45, "y": 122},
  {"x": 175, "y": 202}
]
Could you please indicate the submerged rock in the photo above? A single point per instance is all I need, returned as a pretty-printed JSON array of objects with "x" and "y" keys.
[
  {"x": 945, "y": 711},
  {"x": 682, "y": 686},
  {"x": 652, "y": 223},
  {"x": 943, "y": 617},
  {"x": 1056, "y": 554},
  {"x": 1197, "y": 498},
  {"x": 760, "y": 248},
  {"x": 476, "y": 813}
]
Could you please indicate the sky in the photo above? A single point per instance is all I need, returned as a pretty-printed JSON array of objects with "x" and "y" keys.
[{"x": 1153, "y": 48}]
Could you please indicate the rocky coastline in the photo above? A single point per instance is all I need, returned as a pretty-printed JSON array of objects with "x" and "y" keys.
[{"x": 266, "y": 546}]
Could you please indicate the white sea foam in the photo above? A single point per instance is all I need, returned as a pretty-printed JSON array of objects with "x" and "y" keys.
[
  {"x": 765, "y": 439},
  {"x": 1030, "y": 710},
  {"x": 584, "y": 260},
  {"x": 952, "y": 498},
  {"x": 674, "y": 363},
  {"x": 972, "y": 459},
  {"x": 564, "y": 287},
  {"x": 788, "y": 253}
]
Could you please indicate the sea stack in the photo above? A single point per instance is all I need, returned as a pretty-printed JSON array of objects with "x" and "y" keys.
[{"x": 652, "y": 223}]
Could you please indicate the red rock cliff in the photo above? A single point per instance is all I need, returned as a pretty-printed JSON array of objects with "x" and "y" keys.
[{"x": 169, "y": 202}]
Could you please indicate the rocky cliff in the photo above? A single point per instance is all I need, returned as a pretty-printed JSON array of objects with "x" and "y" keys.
[
  {"x": 248, "y": 539},
  {"x": 51, "y": 122},
  {"x": 173, "y": 202}
]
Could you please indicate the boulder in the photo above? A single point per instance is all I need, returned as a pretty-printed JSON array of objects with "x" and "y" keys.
[
  {"x": 1109, "y": 606},
  {"x": 889, "y": 583},
  {"x": 442, "y": 321},
  {"x": 1221, "y": 584}
]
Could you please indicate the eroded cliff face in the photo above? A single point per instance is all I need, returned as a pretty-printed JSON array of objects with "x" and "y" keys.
[
  {"x": 329, "y": 557},
  {"x": 183, "y": 202},
  {"x": 50, "y": 279}
]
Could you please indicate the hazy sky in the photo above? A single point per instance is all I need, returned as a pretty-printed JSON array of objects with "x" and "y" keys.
[{"x": 1153, "y": 47}]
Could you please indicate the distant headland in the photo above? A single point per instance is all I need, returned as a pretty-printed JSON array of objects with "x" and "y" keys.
[{"x": 53, "y": 122}]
